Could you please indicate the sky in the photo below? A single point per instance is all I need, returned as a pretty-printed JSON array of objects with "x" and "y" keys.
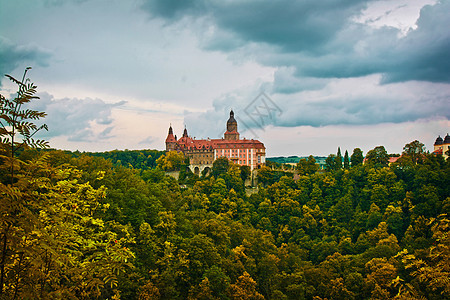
[{"x": 303, "y": 77}]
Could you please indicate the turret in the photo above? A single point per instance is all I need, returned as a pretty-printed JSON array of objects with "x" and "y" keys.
[
  {"x": 447, "y": 139},
  {"x": 170, "y": 140},
  {"x": 231, "y": 133},
  {"x": 439, "y": 141}
]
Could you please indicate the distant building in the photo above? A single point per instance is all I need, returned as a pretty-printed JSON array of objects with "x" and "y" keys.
[
  {"x": 202, "y": 153},
  {"x": 441, "y": 146}
]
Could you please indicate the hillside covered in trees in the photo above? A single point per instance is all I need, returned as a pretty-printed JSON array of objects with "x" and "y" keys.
[{"x": 80, "y": 226}]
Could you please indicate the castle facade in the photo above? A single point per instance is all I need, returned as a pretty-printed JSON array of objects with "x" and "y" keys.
[{"x": 202, "y": 153}]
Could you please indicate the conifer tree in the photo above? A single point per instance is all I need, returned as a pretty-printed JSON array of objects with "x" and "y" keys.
[
  {"x": 338, "y": 160},
  {"x": 346, "y": 160}
]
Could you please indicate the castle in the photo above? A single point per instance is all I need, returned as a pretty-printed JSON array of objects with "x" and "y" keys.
[
  {"x": 441, "y": 146},
  {"x": 202, "y": 153}
]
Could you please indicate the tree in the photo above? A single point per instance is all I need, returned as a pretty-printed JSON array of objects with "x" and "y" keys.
[
  {"x": 244, "y": 289},
  {"x": 245, "y": 173},
  {"x": 380, "y": 274},
  {"x": 338, "y": 160},
  {"x": 220, "y": 166},
  {"x": 307, "y": 167},
  {"x": 330, "y": 163},
  {"x": 378, "y": 157},
  {"x": 357, "y": 157},
  {"x": 433, "y": 270},
  {"x": 414, "y": 150},
  {"x": 53, "y": 243},
  {"x": 15, "y": 120},
  {"x": 346, "y": 160},
  {"x": 171, "y": 161},
  {"x": 56, "y": 243},
  {"x": 265, "y": 175}
]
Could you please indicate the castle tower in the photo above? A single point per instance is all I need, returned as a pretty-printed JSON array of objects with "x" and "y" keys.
[
  {"x": 441, "y": 146},
  {"x": 446, "y": 146},
  {"x": 438, "y": 143},
  {"x": 171, "y": 141},
  {"x": 231, "y": 133}
]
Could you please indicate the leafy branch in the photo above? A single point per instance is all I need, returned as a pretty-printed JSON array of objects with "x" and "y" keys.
[{"x": 17, "y": 129}]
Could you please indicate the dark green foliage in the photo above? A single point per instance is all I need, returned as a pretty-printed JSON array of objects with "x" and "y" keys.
[
  {"x": 346, "y": 160},
  {"x": 307, "y": 166},
  {"x": 331, "y": 163},
  {"x": 220, "y": 166},
  {"x": 245, "y": 172},
  {"x": 338, "y": 160},
  {"x": 138, "y": 159},
  {"x": 377, "y": 157},
  {"x": 267, "y": 176},
  {"x": 414, "y": 151},
  {"x": 357, "y": 157}
]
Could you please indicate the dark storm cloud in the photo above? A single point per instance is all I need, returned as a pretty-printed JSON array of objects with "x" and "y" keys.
[
  {"x": 74, "y": 117},
  {"x": 361, "y": 110},
  {"x": 172, "y": 9},
  {"x": 12, "y": 55},
  {"x": 320, "y": 38},
  {"x": 424, "y": 54},
  {"x": 289, "y": 25}
]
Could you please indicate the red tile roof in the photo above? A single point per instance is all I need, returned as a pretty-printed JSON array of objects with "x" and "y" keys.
[{"x": 189, "y": 143}]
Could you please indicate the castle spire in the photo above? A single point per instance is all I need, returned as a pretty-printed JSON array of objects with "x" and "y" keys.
[
  {"x": 231, "y": 133},
  {"x": 170, "y": 140}
]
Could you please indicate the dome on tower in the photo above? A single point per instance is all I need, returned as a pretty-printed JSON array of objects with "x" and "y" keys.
[
  {"x": 447, "y": 139},
  {"x": 439, "y": 141}
]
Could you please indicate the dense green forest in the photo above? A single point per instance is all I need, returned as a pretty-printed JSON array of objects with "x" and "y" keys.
[
  {"x": 82, "y": 226},
  {"x": 139, "y": 159}
]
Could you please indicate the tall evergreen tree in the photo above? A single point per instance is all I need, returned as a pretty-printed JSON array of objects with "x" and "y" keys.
[
  {"x": 338, "y": 160},
  {"x": 346, "y": 160}
]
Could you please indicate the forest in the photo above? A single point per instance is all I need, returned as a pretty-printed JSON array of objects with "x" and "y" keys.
[{"x": 113, "y": 225}]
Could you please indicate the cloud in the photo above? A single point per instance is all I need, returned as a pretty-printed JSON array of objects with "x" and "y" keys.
[
  {"x": 286, "y": 82},
  {"x": 78, "y": 119},
  {"x": 290, "y": 25},
  {"x": 348, "y": 101},
  {"x": 61, "y": 2},
  {"x": 148, "y": 140},
  {"x": 172, "y": 9},
  {"x": 13, "y": 55},
  {"x": 321, "y": 39},
  {"x": 367, "y": 103},
  {"x": 424, "y": 54}
]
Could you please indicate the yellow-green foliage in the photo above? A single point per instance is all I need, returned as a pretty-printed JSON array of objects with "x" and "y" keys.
[{"x": 171, "y": 161}]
